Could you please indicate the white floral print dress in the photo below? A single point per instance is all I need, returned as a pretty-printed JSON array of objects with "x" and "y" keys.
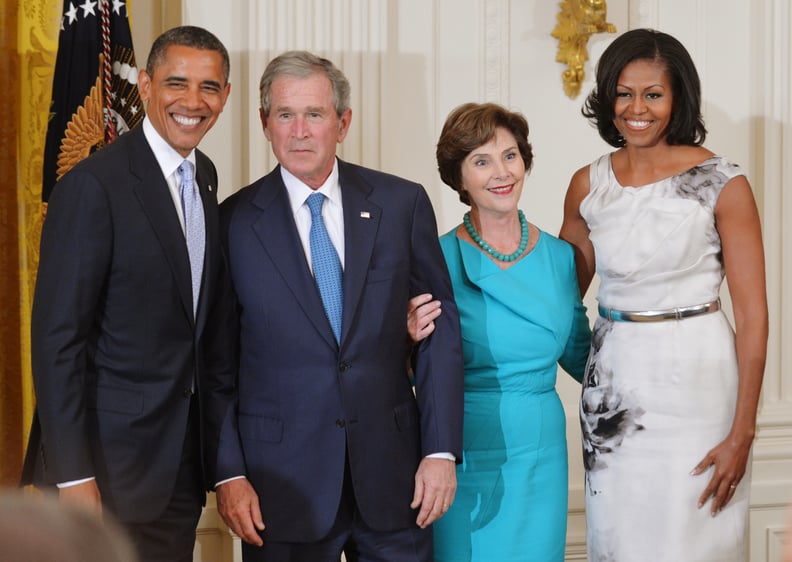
[{"x": 658, "y": 396}]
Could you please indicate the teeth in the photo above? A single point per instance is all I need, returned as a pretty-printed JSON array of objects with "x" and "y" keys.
[
  {"x": 187, "y": 121},
  {"x": 638, "y": 124}
]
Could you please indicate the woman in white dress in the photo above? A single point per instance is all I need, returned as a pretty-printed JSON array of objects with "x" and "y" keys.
[{"x": 670, "y": 394}]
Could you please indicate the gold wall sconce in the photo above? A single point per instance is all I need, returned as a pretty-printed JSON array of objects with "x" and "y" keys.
[{"x": 577, "y": 21}]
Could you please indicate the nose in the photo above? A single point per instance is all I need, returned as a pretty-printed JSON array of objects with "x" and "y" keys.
[
  {"x": 192, "y": 98},
  {"x": 299, "y": 129},
  {"x": 500, "y": 169},
  {"x": 638, "y": 104}
]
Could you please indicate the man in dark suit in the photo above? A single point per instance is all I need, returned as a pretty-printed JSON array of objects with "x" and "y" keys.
[
  {"x": 130, "y": 284},
  {"x": 328, "y": 432}
]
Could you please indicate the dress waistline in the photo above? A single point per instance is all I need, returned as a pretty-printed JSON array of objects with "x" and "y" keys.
[{"x": 658, "y": 315}]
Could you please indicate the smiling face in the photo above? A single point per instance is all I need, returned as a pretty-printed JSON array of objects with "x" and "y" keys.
[
  {"x": 644, "y": 102},
  {"x": 493, "y": 174},
  {"x": 303, "y": 126},
  {"x": 185, "y": 95}
]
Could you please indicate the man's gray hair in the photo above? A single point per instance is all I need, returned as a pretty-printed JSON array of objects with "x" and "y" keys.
[{"x": 302, "y": 64}]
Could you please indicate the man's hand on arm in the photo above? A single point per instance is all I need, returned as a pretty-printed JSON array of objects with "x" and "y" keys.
[
  {"x": 435, "y": 487},
  {"x": 239, "y": 507}
]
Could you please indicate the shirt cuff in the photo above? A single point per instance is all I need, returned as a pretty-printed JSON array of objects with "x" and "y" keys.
[
  {"x": 71, "y": 483},
  {"x": 446, "y": 456},
  {"x": 228, "y": 480}
]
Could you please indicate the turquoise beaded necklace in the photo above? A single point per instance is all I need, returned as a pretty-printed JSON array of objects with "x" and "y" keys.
[{"x": 492, "y": 251}]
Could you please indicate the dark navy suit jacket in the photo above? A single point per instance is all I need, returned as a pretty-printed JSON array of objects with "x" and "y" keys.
[
  {"x": 306, "y": 403},
  {"x": 115, "y": 349}
]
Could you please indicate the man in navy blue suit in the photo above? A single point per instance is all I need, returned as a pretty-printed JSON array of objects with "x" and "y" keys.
[
  {"x": 329, "y": 448},
  {"x": 125, "y": 340}
]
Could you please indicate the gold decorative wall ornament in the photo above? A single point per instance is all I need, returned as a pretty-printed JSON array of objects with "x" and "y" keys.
[
  {"x": 577, "y": 21},
  {"x": 85, "y": 132}
]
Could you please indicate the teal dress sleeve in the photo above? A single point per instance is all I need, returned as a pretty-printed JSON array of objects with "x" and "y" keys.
[{"x": 575, "y": 356}]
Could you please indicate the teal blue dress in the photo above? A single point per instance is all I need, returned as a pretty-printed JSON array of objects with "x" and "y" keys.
[{"x": 517, "y": 325}]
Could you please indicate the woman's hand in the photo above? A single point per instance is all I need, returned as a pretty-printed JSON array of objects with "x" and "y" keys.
[
  {"x": 421, "y": 314},
  {"x": 728, "y": 459}
]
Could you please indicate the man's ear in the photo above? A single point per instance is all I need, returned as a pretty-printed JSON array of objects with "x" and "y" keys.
[
  {"x": 263, "y": 118},
  {"x": 144, "y": 85},
  {"x": 343, "y": 125}
]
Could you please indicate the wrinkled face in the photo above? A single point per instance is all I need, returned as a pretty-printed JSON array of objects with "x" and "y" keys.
[
  {"x": 493, "y": 174},
  {"x": 185, "y": 95},
  {"x": 644, "y": 102},
  {"x": 303, "y": 126}
]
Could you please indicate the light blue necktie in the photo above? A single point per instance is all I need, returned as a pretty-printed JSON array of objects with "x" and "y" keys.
[
  {"x": 326, "y": 265},
  {"x": 194, "y": 227}
]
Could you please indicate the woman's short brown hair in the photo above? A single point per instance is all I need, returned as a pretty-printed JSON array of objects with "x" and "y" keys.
[{"x": 468, "y": 127}]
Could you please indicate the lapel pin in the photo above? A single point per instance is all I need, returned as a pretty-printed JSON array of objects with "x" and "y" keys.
[
  {"x": 365, "y": 215},
  {"x": 209, "y": 187}
]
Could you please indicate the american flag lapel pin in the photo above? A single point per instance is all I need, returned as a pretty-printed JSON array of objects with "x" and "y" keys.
[{"x": 365, "y": 215}]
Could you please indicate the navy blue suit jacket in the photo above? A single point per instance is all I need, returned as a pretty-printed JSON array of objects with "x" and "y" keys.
[
  {"x": 307, "y": 403},
  {"x": 115, "y": 348}
]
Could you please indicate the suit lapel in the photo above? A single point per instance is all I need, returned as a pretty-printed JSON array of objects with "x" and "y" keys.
[
  {"x": 277, "y": 234},
  {"x": 155, "y": 199},
  {"x": 361, "y": 222}
]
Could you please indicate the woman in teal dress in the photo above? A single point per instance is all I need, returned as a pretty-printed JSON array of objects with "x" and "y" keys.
[{"x": 521, "y": 315}]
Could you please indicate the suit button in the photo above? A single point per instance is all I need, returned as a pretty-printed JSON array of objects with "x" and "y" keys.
[
  {"x": 340, "y": 423},
  {"x": 344, "y": 366},
  {"x": 187, "y": 392}
]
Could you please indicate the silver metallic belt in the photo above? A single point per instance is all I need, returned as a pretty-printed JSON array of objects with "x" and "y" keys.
[{"x": 658, "y": 315}]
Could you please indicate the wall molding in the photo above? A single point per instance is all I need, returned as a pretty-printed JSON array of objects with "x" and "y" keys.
[
  {"x": 495, "y": 61},
  {"x": 644, "y": 13}
]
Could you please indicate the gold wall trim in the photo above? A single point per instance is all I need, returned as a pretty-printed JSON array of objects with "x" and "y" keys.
[{"x": 577, "y": 21}]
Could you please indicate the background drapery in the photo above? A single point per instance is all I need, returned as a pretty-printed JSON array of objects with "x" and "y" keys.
[{"x": 29, "y": 32}]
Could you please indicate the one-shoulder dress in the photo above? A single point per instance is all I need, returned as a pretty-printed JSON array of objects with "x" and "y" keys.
[
  {"x": 658, "y": 396},
  {"x": 517, "y": 324}
]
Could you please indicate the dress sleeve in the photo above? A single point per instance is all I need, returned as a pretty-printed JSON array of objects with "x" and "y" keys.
[{"x": 575, "y": 356}]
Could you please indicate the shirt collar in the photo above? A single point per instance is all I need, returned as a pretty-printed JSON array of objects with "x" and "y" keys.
[
  {"x": 167, "y": 157},
  {"x": 299, "y": 192}
]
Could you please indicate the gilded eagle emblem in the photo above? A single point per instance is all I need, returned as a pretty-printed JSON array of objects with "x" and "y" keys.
[{"x": 84, "y": 133}]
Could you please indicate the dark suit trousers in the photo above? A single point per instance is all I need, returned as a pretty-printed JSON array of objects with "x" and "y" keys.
[
  {"x": 353, "y": 537},
  {"x": 171, "y": 537}
]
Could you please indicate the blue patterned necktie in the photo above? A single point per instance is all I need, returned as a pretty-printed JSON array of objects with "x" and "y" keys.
[
  {"x": 326, "y": 265},
  {"x": 194, "y": 227}
]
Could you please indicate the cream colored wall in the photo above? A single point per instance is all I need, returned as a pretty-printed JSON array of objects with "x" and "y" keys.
[{"x": 411, "y": 61}]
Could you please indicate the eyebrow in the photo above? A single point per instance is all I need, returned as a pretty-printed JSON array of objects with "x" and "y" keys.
[
  {"x": 484, "y": 154},
  {"x": 183, "y": 80},
  {"x": 309, "y": 109},
  {"x": 657, "y": 85}
]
